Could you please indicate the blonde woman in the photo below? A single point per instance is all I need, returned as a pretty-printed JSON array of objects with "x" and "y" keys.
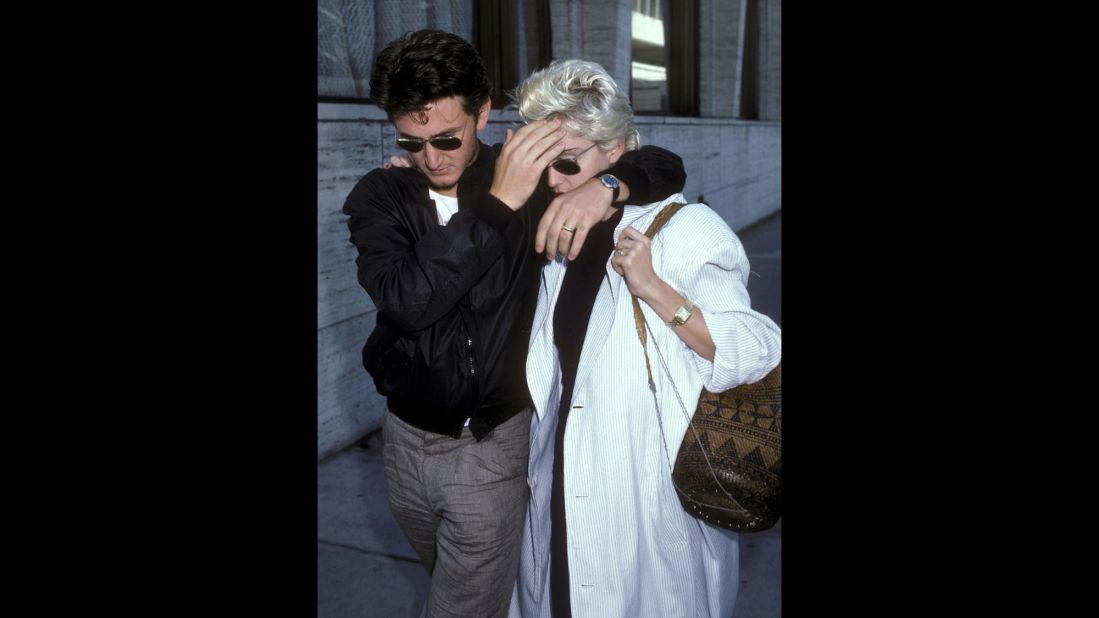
[{"x": 604, "y": 533}]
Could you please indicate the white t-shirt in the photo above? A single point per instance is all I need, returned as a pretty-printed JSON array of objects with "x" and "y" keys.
[{"x": 445, "y": 205}]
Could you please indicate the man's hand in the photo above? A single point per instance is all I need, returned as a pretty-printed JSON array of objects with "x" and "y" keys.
[
  {"x": 578, "y": 209},
  {"x": 524, "y": 157}
]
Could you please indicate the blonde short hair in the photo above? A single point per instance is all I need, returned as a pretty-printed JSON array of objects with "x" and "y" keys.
[{"x": 585, "y": 97}]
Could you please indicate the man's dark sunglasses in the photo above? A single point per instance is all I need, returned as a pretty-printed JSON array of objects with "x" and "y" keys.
[
  {"x": 570, "y": 167},
  {"x": 448, "y": 142}
]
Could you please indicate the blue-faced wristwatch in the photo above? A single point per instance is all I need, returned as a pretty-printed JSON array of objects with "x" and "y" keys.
[{"x": 611, "y": 183}]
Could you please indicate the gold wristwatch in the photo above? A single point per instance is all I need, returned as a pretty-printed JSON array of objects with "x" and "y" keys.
[{"x": 681, "y": 315}]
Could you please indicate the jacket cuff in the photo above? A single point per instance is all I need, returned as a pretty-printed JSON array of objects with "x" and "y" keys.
[
  {"x": 494, "y": 212},
  {"x": 634, "y": 178}
]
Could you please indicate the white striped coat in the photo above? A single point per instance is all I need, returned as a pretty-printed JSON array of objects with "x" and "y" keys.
[{"x": 632, "y": 549}]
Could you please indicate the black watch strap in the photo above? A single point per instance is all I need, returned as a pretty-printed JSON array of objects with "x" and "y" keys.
[{"x": 613, "y": 184}]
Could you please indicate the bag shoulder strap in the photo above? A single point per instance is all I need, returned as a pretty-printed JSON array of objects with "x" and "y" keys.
[
  {"x": 662, "y": 218},
  {"x": 639, "y": 318}
]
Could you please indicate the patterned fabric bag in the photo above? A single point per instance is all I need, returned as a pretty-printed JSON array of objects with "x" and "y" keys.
[{"x": 729, "y": 469}]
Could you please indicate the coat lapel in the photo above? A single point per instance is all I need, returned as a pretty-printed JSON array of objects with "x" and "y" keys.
[
  {"x": 542, "y": 367},
  {"x": 599, "y": 326}
]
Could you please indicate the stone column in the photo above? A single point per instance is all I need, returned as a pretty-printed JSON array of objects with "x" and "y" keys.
[
  {"x": 596, "y": 30},
  {"x": 720, "y": 57},
  {"x": 770, "y": 60}
]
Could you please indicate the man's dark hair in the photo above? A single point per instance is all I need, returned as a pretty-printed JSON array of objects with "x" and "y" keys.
[{"x": 425, "y": 66}]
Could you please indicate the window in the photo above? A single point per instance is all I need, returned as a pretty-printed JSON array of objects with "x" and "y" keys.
[
  {"x": 664, "y": 61},
  {"x": 513, "y": 39},
  {"x": 749, "y": 77},
  {"x": 648, "y": 62},
  {"x": 495, "y": 35}
]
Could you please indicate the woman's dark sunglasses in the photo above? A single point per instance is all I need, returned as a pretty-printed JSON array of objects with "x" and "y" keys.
[
  {"x": 448, "y": 142},
  {"x": 570, "y": 167}
]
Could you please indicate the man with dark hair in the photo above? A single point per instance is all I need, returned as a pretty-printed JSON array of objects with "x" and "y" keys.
[{"x": 448, "y": 251}]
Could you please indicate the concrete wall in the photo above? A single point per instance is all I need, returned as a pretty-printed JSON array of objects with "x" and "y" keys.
[
  {"x": 733, "y": 165},
  {"x": 347, "y": 406}
]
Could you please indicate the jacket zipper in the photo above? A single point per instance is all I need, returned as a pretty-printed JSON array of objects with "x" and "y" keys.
[{"x": 472, "y": 369}]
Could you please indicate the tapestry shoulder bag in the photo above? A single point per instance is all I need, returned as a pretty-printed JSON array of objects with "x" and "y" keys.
[{"x": 729, "y": 468}]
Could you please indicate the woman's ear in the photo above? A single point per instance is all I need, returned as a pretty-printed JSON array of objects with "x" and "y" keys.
[{"x": 619, "y": 148}]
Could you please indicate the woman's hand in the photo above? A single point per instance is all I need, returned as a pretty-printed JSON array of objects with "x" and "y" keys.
[{"x": 633, "y": 260}]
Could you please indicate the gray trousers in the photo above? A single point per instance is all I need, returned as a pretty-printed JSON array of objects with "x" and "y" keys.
[{"x": 461, "y": 504}]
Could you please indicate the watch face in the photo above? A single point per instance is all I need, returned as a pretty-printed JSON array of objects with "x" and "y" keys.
[{"x": 609, "y": 181}]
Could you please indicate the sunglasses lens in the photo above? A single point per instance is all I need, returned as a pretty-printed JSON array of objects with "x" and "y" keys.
[
  {"x": 442, "y": 143},
  {"x": 447, "y": 143},
  {"x": 566, "y": 167}
]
